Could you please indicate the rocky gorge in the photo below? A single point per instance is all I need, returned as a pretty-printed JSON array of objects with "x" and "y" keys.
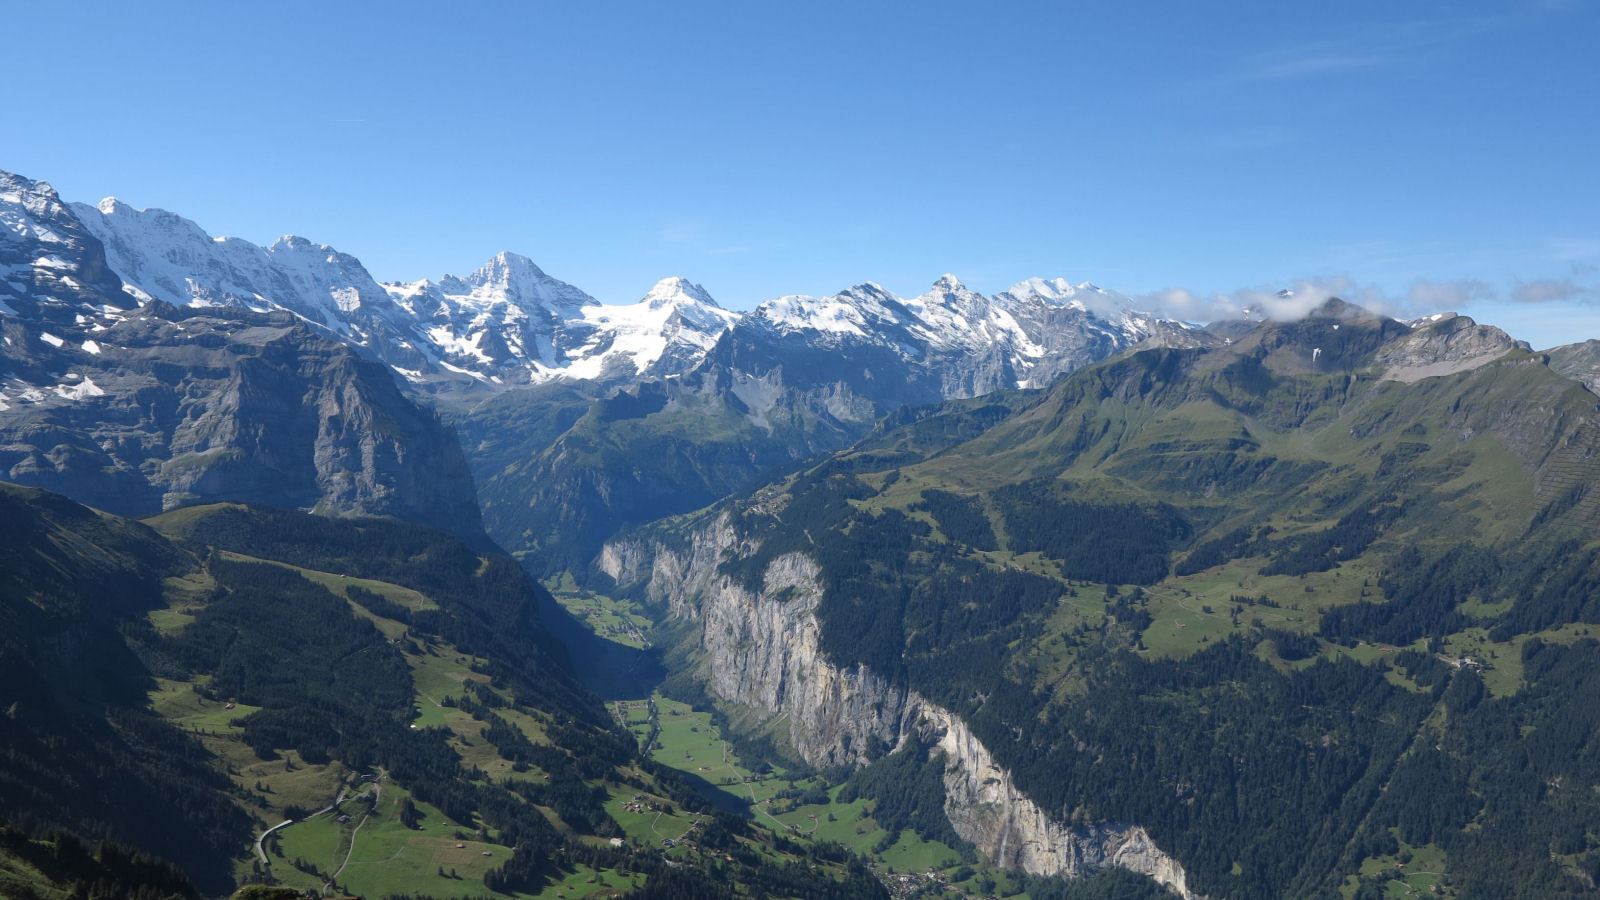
[{"x": 758, "y": 652}]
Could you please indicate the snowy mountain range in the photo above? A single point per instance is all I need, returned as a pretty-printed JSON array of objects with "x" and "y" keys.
[
  {"x": 135, "y": 405},
  {"x": 510, "y": 323}
]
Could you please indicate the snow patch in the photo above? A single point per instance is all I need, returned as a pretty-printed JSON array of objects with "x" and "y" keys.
[
  {"x": 91, "y": 347},
  {"x": 83, "y": 390},
  {"x": 460, "y": 371},
  {"x": 50, "y": 339},
  {"x": 347, "y": 299},
  {"x": 447, "y": 341},
  {"x": 1431, "y": 319}
]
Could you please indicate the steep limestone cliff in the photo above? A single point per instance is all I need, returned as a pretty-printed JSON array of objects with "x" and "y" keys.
[
  {"x": 986, "y": 808},
  {"x": 760, "y": 654},
  {"x": 164, "y": 407}
]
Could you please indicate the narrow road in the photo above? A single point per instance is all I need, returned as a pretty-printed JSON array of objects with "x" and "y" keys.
[
  {"x": 755, "y": 804},
  {"x": 262, "y": 854}
]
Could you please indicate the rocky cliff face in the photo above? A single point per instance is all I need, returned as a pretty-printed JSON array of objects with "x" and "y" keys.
[
  {"x": 759, "y": 651},
  {"x": 162, "y": 407},
  {"x": 1443, "y": 345},
  {"x": 984, "y": 805}
]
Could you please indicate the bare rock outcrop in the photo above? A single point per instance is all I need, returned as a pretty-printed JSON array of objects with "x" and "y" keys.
[
  {"x": 985, "y": 806},
  {"x": 1444, "y": 345}
]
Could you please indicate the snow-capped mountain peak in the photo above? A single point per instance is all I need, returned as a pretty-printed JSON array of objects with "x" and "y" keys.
[
  {"x": 665, "y": 333},
  {"x": 1054, "y": 290},
  {"x": 162, "y": 255},
  {"x": 512, "y": 321},
  {"x": 865, "y": 311},
  {"x": 514, "y": 279},
  {"x": 870, "y": 295},
  {"x": 49, "y": 262},
  {"x": 509, "y": 270},
  {"x": 799, "y": 312},
  {"x": 677, "y": 290},
  {"x": 35, "y": 201},
  {"x": 1060, "y": 292},
  {"x": 954, "y": 318}
]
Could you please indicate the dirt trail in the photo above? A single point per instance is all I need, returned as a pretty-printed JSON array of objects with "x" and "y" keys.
[{"x": 377, "y": 796}]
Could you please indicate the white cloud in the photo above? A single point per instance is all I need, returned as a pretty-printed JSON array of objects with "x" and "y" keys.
[
  {"x": 1307, "y": 61},
  {"x": 1439, "y": 296},
  {"x": 1546, "y": 290},
  {"x": 1296, "y": 299},
  {"x": 1579, "y": 251}
]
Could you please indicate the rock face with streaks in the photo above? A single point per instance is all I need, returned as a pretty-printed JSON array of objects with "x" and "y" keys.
[
  {"x": 175, "y": 407},
  {"x": 986, "y": 808},
  {"x": 759, "y": 651},
  {"x": 1443, "y": 345}
]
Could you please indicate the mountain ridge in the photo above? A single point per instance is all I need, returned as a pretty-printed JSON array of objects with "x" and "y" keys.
[{"x": 509, "y": 323}]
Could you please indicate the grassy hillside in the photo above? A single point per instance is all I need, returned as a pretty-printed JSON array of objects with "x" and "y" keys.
[
  {"x": 1295, "y": 604},
  {"x": 331, "y": 705}
]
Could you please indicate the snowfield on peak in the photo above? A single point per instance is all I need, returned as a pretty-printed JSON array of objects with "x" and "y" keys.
[
  {"x": 510, "y": 315},
  {"x": 163, "y": 255},
  {"x": 677, "y": 319},
  {"x": 1023, "y": 337}
]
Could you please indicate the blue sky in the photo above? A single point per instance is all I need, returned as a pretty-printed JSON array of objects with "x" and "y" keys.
[{"x": 1412, "y": 155}]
